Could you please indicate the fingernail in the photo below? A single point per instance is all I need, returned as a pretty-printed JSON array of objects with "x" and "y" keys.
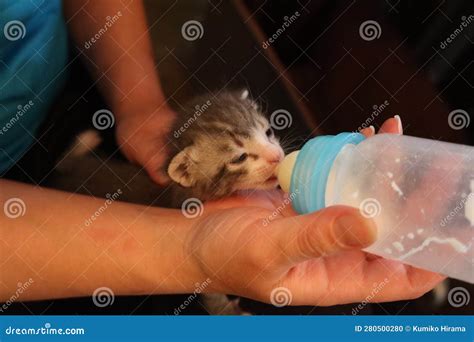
[
  {"x": 399, "y": 122},
  {"x": 355, "y": 231},
  {"x": 368, "y": 131}
]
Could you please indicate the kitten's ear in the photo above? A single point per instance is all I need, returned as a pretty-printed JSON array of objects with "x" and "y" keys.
[
  {"x": 244, "y": 95},
  {"x": 180, "y": 168}
]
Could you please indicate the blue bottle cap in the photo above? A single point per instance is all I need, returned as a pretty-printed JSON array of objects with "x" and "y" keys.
[{"x": 312, "y": 167}]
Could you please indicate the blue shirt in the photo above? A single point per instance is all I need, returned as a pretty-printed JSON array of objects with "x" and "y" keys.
[{"x": 33, "y": 57}]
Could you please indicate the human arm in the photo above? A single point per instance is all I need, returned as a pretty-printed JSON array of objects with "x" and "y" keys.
[
  {"x": 134, "y": 249},
  {"x": 129, "y": 248},
  {"x": 122, "y": 64}
]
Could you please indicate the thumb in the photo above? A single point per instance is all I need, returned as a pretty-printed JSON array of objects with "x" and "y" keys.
[{"x": 324, "y": 232}]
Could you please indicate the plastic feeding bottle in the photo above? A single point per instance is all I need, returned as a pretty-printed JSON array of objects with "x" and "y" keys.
[{"x": 419, "y": 192}]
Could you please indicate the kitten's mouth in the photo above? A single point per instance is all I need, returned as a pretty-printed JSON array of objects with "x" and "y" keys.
[{"x": 271, "y": 179}]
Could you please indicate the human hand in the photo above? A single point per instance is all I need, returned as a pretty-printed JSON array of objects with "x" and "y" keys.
[
  {"x": 316, "y": 257},
  {"x": 142, "y": 137},
  {"x": 252, "y": 245}
]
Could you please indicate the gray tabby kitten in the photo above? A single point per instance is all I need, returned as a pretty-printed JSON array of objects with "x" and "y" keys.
[{"x": 220, "y": 145}]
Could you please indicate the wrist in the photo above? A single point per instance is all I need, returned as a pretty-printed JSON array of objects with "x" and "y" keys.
[
  {"x": 176, "y": 269},
  {"x": 146, "y": 99},
  {"x": 158, "y": 116}
]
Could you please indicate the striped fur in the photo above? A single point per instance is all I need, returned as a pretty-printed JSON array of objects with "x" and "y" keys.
[{"x": 212, "y": 132}]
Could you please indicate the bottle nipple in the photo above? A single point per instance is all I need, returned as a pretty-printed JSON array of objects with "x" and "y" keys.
[{"x": 285, "y": 170}]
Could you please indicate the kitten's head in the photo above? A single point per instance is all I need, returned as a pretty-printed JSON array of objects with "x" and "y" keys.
[{"x": 227, "y": 145}]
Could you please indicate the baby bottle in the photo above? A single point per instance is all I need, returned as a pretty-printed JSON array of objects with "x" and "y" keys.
[{"x": 418, "y": 191}]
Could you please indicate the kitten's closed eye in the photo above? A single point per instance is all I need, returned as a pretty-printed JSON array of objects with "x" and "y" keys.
[
  {"x": 269, "y": 132},
  {"x": 240, "y": 159}
]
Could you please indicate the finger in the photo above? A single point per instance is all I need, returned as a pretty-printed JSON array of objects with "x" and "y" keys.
[
  {"x": 370, "y": 256},
  {"x": 368, "y": 131},
  {"x": 403, "y": 282},
  {"x": 349, "y": 278},
  {"x": 160, "y": 177},
  {"x": 154, "y": 168},
  {"x": 392, "y": 125},
  {"x": 325, "y": 232}
]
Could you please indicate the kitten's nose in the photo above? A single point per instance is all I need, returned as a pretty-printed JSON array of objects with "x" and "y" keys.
[{"x": 274, "y": 158}]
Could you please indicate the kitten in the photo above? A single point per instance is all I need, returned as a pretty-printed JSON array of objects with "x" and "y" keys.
[{"x": 220, "y": 145}]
